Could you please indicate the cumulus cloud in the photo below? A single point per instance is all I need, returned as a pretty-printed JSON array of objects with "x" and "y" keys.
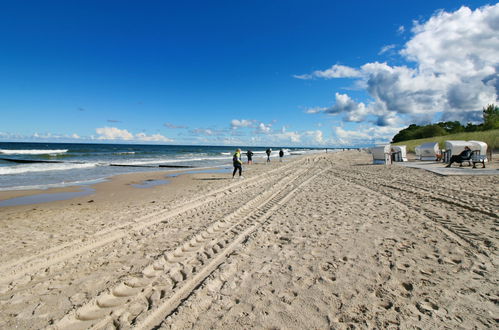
[
  {"x": 259, "y": 127},
  {"x": 455, "y": 73},
  {"x": 354, "y": 112},
  {"x": 236, "y": 123},
  {"x": 290, "y": 137},
  {"x": 310, "y": 138},
  {"x": 114, "y": 133},
  {"x": 336, "y": 71},
  {"x": 316, "y": 137},
  {"x": 263, "y": 128},
  {"x": 363, "y": 136}
]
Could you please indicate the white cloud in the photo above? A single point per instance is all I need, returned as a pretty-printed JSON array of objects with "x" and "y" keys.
[
  {"x": 236, "y": 123},
  {"x": 363, "y": 135},
  {"x": 75, "y": 136},
  {"x": 316, "y": 137},
  {"x": 203, "y": 131},
  {"x": 152, "y": 138},
  {"x": 316, "y": 110},
  {"x": 336, "y": 71},
  {"x": 455, "y": 73},
  {"x": 386, "y": 48},
  {"x": 289, "y": 137},
  {"x": 354, "y": 112},
  {"x": 263, "y": 128},
  {"x": 113, "y": 133}
]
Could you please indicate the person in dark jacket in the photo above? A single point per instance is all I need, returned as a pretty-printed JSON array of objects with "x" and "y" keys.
[
  {"x": 268, "y": 151},
  {"x": 464, "y": 155},
  {"x": 281, "y": 154},
  {"x": 249, "y": 154}
]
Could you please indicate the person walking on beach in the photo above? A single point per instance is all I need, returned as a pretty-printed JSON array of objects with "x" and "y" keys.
[
  {"x": 281, "y": 154},
  {"x": 249, "y": 154},
  {"x": 464, "y": 155},
  {"x": 238, "y": 164},
  {"x": 268, "y": 151}
]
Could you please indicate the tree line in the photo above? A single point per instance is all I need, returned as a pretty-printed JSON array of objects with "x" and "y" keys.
[{"x": 490, "y": 121}]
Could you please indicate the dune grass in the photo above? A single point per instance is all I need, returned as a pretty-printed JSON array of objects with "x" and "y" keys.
[{"x": 490, "y": 137}]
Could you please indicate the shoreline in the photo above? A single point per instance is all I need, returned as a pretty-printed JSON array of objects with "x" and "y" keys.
[
  {"x": 112, "y": 182},
  {"x": 121, "y": 188},
  {"x": 69, "y": 187}
]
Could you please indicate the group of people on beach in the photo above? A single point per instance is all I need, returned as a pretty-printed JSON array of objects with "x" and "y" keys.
[{"x": 238, "y": 162}]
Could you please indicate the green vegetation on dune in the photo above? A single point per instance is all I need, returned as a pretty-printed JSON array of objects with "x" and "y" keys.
[
  {"x": 491, "y": 137},
  {"x": 488, "y": 131}
]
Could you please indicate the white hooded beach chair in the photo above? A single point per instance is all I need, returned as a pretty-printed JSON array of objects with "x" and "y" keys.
[
  {"x": 399, "y": 153},
  {"x": 479, "y": 152},
  {"x": 428, "y": 151},
  {"x": 381, "y": 154},
  {"x": 453, "y": 147}
]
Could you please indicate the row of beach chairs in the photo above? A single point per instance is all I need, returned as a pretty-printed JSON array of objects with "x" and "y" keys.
[{"x": 387, "y": 154}]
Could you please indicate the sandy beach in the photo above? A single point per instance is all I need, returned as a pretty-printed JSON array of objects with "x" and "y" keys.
[{"x": 321, "y": 241}]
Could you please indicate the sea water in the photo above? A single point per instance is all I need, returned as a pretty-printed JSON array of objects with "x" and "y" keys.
[{"x": 66, "y": 164}]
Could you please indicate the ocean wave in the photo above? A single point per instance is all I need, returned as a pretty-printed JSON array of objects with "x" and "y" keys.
[
  {"x": 33, "y": 152},
  {"x": 55, "y": 185},
  {"x": 43, "y": 167},
  {"x": 125, "y": 153}
]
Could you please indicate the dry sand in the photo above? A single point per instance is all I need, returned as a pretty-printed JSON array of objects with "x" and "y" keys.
[{"x": 324, "y": 241}]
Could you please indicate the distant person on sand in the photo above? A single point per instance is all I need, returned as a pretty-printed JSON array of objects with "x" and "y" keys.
[
  {"x": 464, "y": 155},
  {"x": 281, "y": 154},
  {"x": 238, "y": 164},
  {"x": 249, "y": 154},
  {"x": 268, "y": 151}
]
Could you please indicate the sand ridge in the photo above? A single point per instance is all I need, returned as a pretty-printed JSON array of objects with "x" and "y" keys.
[{"x": 322, "y": 241}]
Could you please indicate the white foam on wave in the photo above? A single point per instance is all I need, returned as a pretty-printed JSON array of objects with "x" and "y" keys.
[
  {"x": 33, "y": 152},
  {"x": 43, "y": 167},
  {"x": 55, "y": 185}
]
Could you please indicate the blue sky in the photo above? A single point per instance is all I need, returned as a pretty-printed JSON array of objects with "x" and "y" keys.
[{"x": 282, "y": 73}]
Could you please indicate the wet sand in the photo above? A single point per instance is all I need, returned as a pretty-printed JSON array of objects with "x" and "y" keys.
[{"x": 317, "y": 242}]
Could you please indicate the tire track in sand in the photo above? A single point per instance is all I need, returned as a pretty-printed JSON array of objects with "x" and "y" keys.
[
  {"x": 143, "y": 301},
  {"x": 463, "y": 233},
  {"x": 11, "y": 271}
]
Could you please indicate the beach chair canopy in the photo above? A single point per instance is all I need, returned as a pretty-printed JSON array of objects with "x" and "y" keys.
[
  {"x": 456, "y": 146},
  {"x": 478, "y": 145},
  {"x": 379, "y": 152},
  {"x": 402, "y": 150},
  {"x": 429, "y": 151}
]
